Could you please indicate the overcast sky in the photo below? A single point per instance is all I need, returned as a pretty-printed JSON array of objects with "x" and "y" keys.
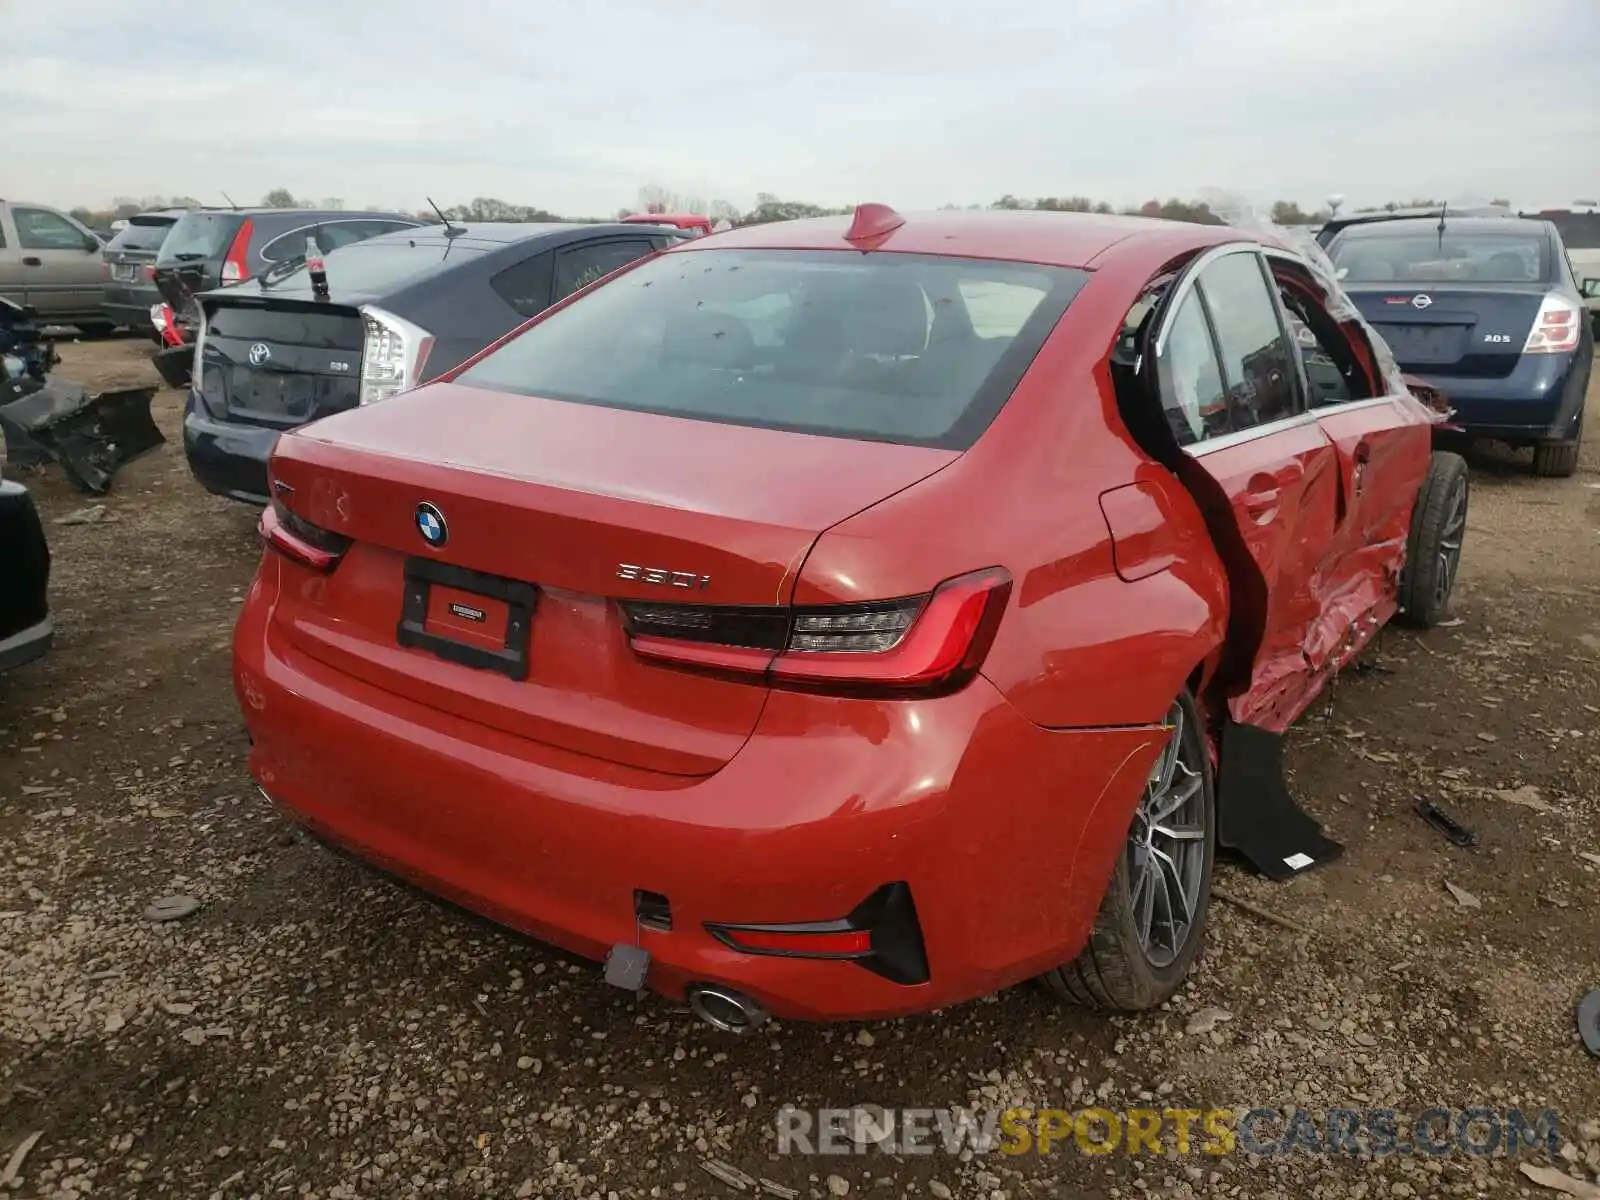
[{"x": 574, "y": 106}]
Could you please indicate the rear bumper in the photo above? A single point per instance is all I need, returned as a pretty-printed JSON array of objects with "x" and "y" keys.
[
  {"x": 229, "y": 460},
  {"x": 1005, "y": 833},
  {"x": 174, "y": 364},
  {"x": 131, "y": 307},
  {"x": 1542, "y": 399}
]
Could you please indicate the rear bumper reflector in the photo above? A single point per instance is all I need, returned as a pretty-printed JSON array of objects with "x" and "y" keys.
[{"x": 881, "y": 934}]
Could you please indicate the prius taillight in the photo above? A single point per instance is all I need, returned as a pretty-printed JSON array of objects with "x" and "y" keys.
[
  {"x": 297, "y": 539},
  {"x": 1557, "y": 328},
  {"x": 914, "y": 645}
]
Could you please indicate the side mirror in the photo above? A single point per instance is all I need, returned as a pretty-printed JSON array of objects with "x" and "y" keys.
[
  {"x": 1591, "y": 289},
  {"x": 92, "y": 245}
]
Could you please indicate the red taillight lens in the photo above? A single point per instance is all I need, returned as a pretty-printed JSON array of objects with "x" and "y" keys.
[
  {"x": 150, "y": 273},
  {"x": 1556, "y": 330},
  {"x": 235, "y": 266},
  {"x": 915, "y": 645},
  {"x": 299, "y": 540}
]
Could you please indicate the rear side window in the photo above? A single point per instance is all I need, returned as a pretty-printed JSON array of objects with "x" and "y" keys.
[
  {"x": 199, "y": 236},
  {"x": 525, "y": 286},
  {"x": 915, "y": 349},
  {"x": 147, "y": 235},
  {"x": 1192, "y": 391},
  {"x": 582, "y": 265},
  {"x": 1258, "y": 360},
  {"x": 1426, "y": 256}
]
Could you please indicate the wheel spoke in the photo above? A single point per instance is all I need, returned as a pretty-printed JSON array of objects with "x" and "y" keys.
[
  {"x": 1173, "y": 751},
  {"x": 1181, "y": 833},
  {"x": 1144, "y": 900},
  {"x": 1161, "y": 807},
  {"x": 1174, "y": 883}
]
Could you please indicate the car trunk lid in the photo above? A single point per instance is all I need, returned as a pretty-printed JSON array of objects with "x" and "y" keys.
[
  {"x": 279, "y": 361},
  {"x": 1453, "y": 331},
  {"x": 575, "y": 507}
]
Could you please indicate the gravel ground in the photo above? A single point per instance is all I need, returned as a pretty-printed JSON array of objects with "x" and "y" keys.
[{"x": 313, "y": 1030}]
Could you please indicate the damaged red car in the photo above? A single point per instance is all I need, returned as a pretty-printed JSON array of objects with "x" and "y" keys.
[{"x": 850, "y": 617}]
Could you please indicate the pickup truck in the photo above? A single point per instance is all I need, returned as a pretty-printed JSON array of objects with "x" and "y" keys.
[{"x": 52, "y": 264}]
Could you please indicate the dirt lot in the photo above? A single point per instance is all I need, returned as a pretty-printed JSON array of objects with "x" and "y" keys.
[{"x": 315, "y": 1031}]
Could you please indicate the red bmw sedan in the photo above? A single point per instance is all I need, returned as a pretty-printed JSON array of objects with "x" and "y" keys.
[{"x": 840, "y": 618}]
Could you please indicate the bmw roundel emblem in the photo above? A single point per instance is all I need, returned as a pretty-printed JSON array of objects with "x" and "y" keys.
[{"x": 430, "y": 524}]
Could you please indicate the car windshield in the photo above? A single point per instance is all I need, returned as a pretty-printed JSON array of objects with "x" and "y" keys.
[
  {"x": 143, "y": 233},
  {"x": 903, "y": 348},
  {"x": 375, "y": 266},
  {"x": 199, "y": 236},
  {"x": 1379, "y": 255}
]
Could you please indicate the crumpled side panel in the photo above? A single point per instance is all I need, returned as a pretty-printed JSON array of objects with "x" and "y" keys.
[{"x": 1357, "y": 587}]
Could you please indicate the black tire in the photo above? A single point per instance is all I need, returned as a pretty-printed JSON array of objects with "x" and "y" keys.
[
  {"x": 1558, "y": 460},
  {"x": 1116, "y": 971},
  {"x": 96, "y": 329},
  {"x": 1433, "y": 549}
]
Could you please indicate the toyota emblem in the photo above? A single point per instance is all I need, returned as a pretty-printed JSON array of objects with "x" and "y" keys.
[
  {"x": 1421, "y": 301},
  {"x": 259, "y": 353}
]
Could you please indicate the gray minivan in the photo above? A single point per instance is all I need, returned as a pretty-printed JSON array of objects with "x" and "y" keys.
[{"x": 51, "y": 263}]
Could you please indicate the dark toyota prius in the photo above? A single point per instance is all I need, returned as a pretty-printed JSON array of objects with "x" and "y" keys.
[
  {"x": 398, "y": 310},
  {"x": 1487, "y": 310}
]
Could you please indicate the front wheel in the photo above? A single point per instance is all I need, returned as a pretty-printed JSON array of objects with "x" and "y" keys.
[{"x": 1152, "y": 920}]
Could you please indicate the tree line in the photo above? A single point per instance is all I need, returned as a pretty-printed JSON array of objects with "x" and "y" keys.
[{"x": 654, "y": 198}]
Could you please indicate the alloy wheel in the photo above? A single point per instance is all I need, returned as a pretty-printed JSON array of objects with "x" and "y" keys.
[
  {"x": 1167, "y": 846},
  {"x": 1455, "y": 526}
]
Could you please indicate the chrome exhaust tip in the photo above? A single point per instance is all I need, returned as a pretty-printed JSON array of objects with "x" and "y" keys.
[{"x": 725, "y": 1009}]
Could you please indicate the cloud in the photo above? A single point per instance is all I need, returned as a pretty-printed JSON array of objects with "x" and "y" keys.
[{"x": 573, "y": 106}]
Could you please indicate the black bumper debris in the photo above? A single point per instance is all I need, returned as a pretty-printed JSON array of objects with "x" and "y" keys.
[{"x": 91, "y": 436}]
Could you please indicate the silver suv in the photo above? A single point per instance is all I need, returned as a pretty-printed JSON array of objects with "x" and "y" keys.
[{"x": 51, "y": 263}]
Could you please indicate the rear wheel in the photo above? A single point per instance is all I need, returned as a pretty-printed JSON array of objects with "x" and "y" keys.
[
  {"x": 96, "y": 329},
  {"x": 1558, "y": 459},
  {"x": 1152, "y": 920},
  {"x": 1433, "y": 550}
]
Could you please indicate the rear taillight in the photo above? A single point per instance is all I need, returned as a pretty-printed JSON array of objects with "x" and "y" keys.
[
  {"x": 393, "y": 354},
  {"x": 916, "y": 645},
  {"x": 299, "y": 540},
  {"x": 235, "y": 265},
  {"x": 1557, "y": 328},
  {"x": 150, "y": 273}
]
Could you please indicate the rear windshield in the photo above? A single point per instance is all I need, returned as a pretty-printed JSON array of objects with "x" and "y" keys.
[
  {"x": 200, "y": 236},
  {"x": 376, "y": 267},
  {"x": 1426, "y": 256},
  {"x": 148, "y": 234},
  {"x": 902, "y": 348}
]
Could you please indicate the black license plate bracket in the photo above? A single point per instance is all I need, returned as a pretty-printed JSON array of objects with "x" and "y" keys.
[{"x": 510, "y": 660}]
